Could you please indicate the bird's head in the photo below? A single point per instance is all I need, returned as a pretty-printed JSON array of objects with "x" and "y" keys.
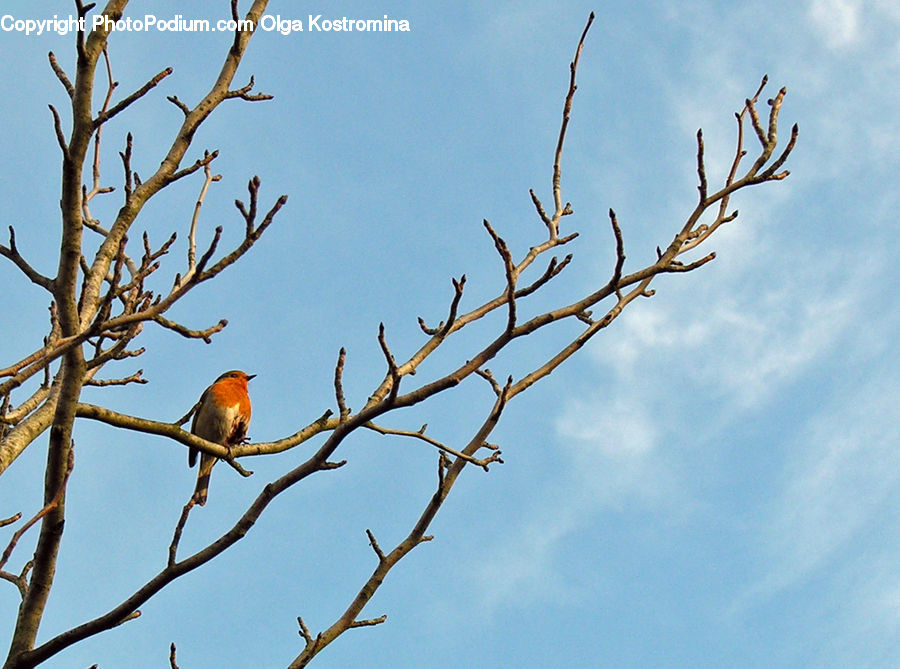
[{"x": 237, "y": 375}]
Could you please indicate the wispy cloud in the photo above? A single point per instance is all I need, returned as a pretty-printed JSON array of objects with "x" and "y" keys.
[
  {"x": 720, "y": 349},
  {"x": 607, "y": 450},
  {"x": 837, "y": 493},
  {"x": 729, "y": 343},
  {"x": 838, "y": 21},
  {"x": 734, "y": 341}
]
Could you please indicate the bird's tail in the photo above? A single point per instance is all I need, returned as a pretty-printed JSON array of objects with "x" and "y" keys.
[{"x": 201, "y": 491}]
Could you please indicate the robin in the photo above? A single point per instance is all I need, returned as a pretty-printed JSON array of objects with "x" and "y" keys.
[{"x": 223, "y": 416}]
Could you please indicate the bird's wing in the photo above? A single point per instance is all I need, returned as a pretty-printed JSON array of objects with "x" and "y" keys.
[{"x": 192, "y": 452}]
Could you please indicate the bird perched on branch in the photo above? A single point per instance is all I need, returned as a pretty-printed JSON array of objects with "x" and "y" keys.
[{"x": 222, "y": 416}]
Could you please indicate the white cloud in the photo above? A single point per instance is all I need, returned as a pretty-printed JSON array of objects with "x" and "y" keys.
[
  {"x": 607, "y": 451},
  {"x": 743, "y": 345},
  {"x": 838, "y": 20},
  {"x": 723, "y": 339},
  {"x": 610, "y": 445},
  {"x": 611, "y": 431}
]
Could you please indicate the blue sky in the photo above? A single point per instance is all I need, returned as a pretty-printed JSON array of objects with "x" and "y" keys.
[{"x": 712, "y": 482}]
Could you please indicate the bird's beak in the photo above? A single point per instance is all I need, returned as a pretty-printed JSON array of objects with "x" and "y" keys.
[{"x": 251, "y": 376}]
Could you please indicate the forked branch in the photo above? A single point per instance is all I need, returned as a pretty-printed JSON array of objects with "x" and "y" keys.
[{"x": 12, "y": 252}]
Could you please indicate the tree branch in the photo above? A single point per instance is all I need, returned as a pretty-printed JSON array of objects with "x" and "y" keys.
[
  {"x": 12, "y": 252},
  {"x": 61, "y": 75},
  {"x": 416, "y": 537},
  {"x": 191, "y": 334},
  {"x": 393, "y": 371},
  {"x": 57, "y": 127},
  {"x": 48, "y": 507},
  {"x": 133, "y": 378},
  {"x": 173, "y": 431},
  {"x": 343, "y": 411},
  {"x": 109, "y": 335},
  {"x": 480, "y": 462},
  {"x": 121, "y": 106},
  {"x": 244, "y": 94},
  {"x": 557, "y": 159},
  {"x": 701, "y": 167}
]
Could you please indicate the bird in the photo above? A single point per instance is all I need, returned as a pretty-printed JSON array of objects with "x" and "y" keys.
[{"x": 223, "y": 417}]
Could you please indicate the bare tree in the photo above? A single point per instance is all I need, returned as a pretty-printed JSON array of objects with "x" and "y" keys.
[{"x": 99, "y": 307}]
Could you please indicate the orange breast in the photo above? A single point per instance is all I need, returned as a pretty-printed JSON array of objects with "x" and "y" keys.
[
  {"x": 226, "y": 418},
  {"x": 233, "y": 393}
]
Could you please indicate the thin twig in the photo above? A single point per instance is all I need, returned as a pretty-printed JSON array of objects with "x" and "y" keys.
[
  {"x": 343, "y": 411},
  {"x": 540, "y": 210},
  {"x": 52, "y": 504},
  {"x": 245, "y": 94},
  {"x": 479, "y": 462},
  {"x": 12, "y": 252},
  {"x": 19, "y": 580},
  {"x": 620, "y": 253},
  {"x": 458, "y": 287},
  {"x": 369, "y": 622},
  {"x": 57, "y": 126},
  {"x": 375, "y": 547},
  {"x": 179, "y": 528},
  {"x": 126, "y": 163},
  {"x": 393, "y": 370},
  {"x": 690, "y": 266},
  {"x": 133, "y": 378},
  {"x": 488, "y": 376},
  {"x": 192, "y": 235},
  {"x": 701, "y": 167},
  {"x": 553, "y": 269},
  {"x": 510, "y": 270},
  {"x": 61, "y": 75},
  {"x": 121, "y": 106},
  {"x": 205, "y": 335},
  {"x": 567, "y": 109},
  {"x": 178, "y": 103}
]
